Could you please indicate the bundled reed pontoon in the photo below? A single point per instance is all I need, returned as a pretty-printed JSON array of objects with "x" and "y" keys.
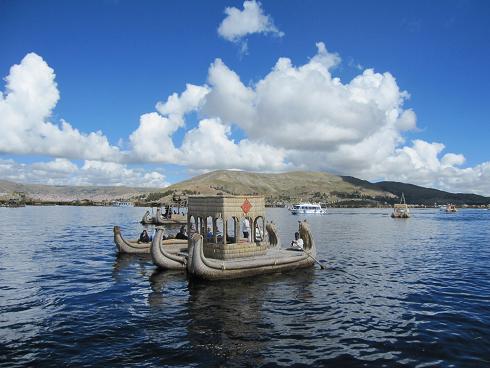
[{"x": 129, "y": 246}]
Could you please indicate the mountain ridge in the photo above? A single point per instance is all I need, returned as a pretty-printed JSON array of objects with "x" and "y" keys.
[{"x": 278, "y": 188}]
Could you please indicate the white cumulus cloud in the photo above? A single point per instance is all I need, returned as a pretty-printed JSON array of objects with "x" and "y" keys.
[
  {"x": 294, "y": 117},
  {"x": 152, "y": 140},
  {"x": 209, "y": 146},
  {"x": 25, "y": 109},
  {"x": 306, "y": 108},
  {"x": 240, "y": 23}
]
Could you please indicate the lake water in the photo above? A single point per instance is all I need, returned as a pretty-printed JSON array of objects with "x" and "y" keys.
[{"x": 409, "y": 293}]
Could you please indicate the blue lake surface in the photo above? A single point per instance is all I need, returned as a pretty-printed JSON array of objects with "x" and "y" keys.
[{"x": 412, "y": 293}]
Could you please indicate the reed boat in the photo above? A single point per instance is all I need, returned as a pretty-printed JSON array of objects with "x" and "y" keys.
[
  {"x": 147, "y": 218},
  {"x": 160, "y": 219},
  {"x": 129, "y": 246},
  {"x": 401, "y": 210},
  {"x": 169, "y": 254},
  {"x": 217, "y": 250},
  {"x": 175, "y": 219}
]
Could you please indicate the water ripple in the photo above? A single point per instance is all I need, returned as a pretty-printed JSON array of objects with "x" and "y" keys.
[{"x": 410, "y": 293}]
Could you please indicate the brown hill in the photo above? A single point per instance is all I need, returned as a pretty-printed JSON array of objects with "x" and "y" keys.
[
  {"x": 284, "y": 187},
  {"x": 65, "y": 193}
]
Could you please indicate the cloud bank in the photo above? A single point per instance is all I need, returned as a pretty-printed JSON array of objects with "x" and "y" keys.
[
  {"x": 294, "y": 117},
  {"x": 61, "y": 171}
]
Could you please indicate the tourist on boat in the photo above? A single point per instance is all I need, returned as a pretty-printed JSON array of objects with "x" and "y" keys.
[
  {"x": 181, "y": 234},
  {"x": 246, "y": 228},
  {"x": 209, "y": 233},
  {"x": 144, "y": 238},
  {"x": 259, "y": 234},
  {"x": 297, "y": 243}
]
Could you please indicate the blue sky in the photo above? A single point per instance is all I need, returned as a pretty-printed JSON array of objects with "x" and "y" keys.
[{"x": 115, "y": 60}]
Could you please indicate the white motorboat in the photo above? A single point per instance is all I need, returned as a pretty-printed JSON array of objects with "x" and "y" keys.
[{"x": 308, "y": 208}]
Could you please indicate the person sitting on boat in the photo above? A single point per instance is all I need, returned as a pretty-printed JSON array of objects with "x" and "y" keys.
[
  {"x": 144, "y": 238},
  {"x": 246, "y": 228},
  {"x": 297, "y": 243},
  {"x": 181, "y": 234}
]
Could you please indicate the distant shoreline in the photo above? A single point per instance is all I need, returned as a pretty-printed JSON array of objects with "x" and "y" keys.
[{"x": 149, "y": 205}]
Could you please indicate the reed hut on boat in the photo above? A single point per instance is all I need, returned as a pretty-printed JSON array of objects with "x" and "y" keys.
[{"x": 219, "y": 248}]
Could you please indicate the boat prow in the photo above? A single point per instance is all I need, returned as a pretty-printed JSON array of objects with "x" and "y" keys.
[
  {"x": 168, "y": 254},
  {"x": 147, "y": 219},
  {"x": 129, "y": 246}
]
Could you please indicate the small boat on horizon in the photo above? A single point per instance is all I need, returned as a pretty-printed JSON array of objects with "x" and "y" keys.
[
  {"x": 401, "y": 210},
  {"x": 449, "y": 208}
]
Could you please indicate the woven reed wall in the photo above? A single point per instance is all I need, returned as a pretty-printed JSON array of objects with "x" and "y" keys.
[
  {"x": 232, "y": 251},
  {"x": 225, "y": 206}
]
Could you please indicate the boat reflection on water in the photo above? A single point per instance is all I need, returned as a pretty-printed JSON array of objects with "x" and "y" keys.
[
  {"x": 166, "y": 285},
  {"x": 229, "y": 321},
  {"x": 124, "y": 263}
]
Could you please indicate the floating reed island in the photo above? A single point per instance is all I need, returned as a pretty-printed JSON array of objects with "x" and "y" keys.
[{"x": 228, "y": 237}]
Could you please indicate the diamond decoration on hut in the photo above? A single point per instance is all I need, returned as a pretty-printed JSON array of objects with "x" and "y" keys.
[{"x": 246, "y": 206}]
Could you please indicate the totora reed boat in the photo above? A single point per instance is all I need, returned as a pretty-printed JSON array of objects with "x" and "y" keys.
[
  {"x": 216, "y": 248},
  {"x": 168, "y": 254},
  {"x": 160, "y": 219},
  {"x": 401, "y": 210},
  {"x": 129, "y": 246}
]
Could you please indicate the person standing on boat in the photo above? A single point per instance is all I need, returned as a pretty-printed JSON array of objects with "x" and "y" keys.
[
  {"x": 297, "y": 243},
  {"x": 246, "y": 228}
]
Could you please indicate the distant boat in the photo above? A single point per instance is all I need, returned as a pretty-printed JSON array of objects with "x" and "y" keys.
[
  {"x": 307, "y": 209},
  {"x": 401, "y": 210},
  {"x": 122, "y": 204},
  {"x": 450, "y": 208},
  {"x": 160, "y": 219}
]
